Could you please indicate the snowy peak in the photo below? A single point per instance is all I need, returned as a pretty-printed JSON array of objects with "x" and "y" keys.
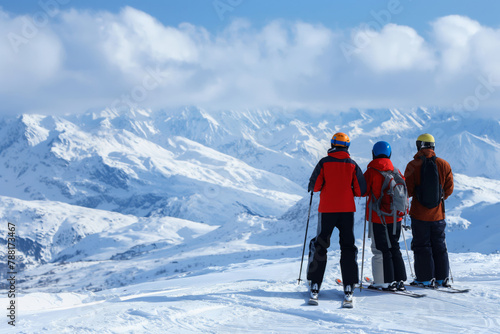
[
  {"x": 34, "y": 132},
  {"x": 480, "y": 153},
  {"x": 128, "y": 165},
  {"x": 193, "y": 123}
]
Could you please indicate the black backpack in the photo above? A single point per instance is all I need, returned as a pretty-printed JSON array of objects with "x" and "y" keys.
[{"x": 430, "y": 192}]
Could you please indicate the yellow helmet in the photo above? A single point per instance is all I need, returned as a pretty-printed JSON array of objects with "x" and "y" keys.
[
  {"x": 341, "y": 139},
  {"x": 425, "y": 141}
]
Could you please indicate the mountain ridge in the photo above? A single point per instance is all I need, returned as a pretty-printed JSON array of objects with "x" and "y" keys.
[{"x": 230, "y": 184}]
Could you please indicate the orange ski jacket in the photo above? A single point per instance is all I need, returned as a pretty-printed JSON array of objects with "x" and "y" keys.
[{"x": 412, "y": 176}]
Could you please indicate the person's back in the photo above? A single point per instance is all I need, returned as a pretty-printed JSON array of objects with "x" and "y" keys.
[
  {"x": 339, "y": 179},
  {"x": 428, "y": 224},
  {"x": 374, "y": 182},
  {"x": 413, "y": 175},
  {"x": 336, "y": 177},
  {"x": 388, "y": 267}
]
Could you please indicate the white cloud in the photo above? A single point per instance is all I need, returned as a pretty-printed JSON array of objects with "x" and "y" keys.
[
  {"x": 134, "y": 37},
  {"x": 395, "y": 48},
  {"x": 30, "y": 56},
  {"x": 453, "y": 36},
  {"x": 485, "y": 48},
  {"x": 87, "y": 60}
]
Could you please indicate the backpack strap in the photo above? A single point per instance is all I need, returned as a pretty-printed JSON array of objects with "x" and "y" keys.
[
  {"x": 370, "y": 227},
  {"x": 386, "y": 229},
  {"x": 377, "y": 203},
  {"x": 394, "y": 220},
  {"x": 387, "y": 236},
  {"x": 441, "y": 189}
]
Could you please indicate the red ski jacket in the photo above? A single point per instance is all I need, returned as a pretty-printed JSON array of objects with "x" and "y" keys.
[
  {"x": 374, "y": 181},
  {"x": 339, "y": 179}
]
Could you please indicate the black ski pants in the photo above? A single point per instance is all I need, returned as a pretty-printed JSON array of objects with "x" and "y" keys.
[
  {"x": 429, "y": 249},
  {"x": 318, "y": 247},
  {"x": 388, "y": 244}
]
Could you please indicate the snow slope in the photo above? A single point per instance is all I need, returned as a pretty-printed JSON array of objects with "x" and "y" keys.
[
  {"x": 89, "y": 249},
  {"x": 261, "y": 296}
]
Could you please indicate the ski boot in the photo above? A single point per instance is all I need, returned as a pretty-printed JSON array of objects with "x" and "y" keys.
[
  {"x": 444, "y": 282},
  {"x": 348, "y": 291},
  {"x": 391, "y": 287},
  {"x": 425, "y": 284},
  {"x": 313, "y": 294}
]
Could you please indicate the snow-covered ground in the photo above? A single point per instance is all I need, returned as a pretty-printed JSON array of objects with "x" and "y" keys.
[
  {"x": 262, "y": 296},
  {"x": 240, "y": 278}
]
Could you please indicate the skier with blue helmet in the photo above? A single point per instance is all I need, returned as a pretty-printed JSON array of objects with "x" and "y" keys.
[{"x": 388, "y": 267}]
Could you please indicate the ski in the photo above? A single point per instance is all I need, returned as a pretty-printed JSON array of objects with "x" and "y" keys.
[
  {"x": 452, "y": 290},
  {"x": 347, "y": 302},
  {"x": 440, "y": 288},
  {"x": 398, "y": 292},
  {"x": 313, "y": 301},
  {"x": 431, "y": 287}
]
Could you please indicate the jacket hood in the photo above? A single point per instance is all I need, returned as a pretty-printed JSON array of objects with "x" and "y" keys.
[
  {"x": 338, "y": 149},
  {"x": 339, "y": 152},
  {"x": 382, "y": 164},
  {"x": 427, "y": 152}
]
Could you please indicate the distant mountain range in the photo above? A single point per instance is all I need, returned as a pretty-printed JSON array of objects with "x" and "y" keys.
[{"x": 190, "y": 190}]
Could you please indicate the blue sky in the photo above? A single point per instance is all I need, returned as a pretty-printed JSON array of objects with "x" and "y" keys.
[
  {"x": 331, "y": 13},
  {"x": 67, "y": 56}
]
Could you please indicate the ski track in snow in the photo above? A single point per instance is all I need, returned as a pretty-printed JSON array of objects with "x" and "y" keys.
[{"x": 264, "y": 298}]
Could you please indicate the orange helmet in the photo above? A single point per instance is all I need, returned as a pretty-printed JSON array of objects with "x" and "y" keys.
[{"x": 340, "y": 139}]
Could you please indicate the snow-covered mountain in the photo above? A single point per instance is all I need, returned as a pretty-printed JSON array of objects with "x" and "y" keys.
[
  {"x": 142, "y": 170},
  {"x": 141, "y": 161},
  {"x": 111, "y": 163},
  {"x": 111, "y": 207}
]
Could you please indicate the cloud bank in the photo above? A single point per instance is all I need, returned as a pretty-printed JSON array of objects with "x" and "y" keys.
[{"x": 72, "y": 61}]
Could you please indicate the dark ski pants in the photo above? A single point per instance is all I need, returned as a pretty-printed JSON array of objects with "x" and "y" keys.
[
  {"x": 393, "y": 265},
  {"x": 429, "y": 248},
  {"x": 318, "y": 247}
]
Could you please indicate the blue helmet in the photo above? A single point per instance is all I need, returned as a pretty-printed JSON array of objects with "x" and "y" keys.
[{"x": 381, "y": 149}]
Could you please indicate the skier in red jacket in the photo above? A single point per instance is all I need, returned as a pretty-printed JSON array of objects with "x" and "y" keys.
[
  {"x": 388, "y": 266},
  {"x": 339, "y": 179}
]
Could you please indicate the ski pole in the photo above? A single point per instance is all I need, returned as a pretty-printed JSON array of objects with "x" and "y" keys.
[
  {"x": 451, "y": 275},
  {"x": 403, "y": 228},
  {"x": 363, "y": 252},
  {"x": 305, "y": 237},
  {"x": 449, "y": 267}
]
